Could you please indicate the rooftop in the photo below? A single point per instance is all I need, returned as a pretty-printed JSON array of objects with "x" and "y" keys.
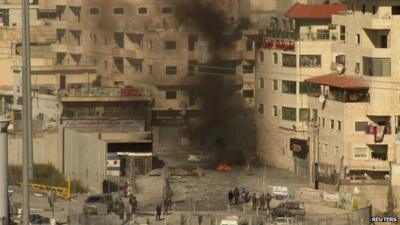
[
  {"x": 340, "y": 81},
  {"x": 303, "y": 11}
]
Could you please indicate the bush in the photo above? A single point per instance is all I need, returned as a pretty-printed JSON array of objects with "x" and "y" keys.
[{"x": 45, "y": 174}]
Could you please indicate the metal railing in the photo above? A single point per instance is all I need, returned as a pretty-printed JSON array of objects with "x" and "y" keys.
[
  {"x": 291, "y": 35},
  {"x": 104, "y": 92}
]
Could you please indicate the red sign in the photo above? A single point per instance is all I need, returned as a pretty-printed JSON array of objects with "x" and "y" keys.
[{"x": 279, "y": 44}]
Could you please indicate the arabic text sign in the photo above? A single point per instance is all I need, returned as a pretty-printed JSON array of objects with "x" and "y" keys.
[
  {"x": 331, "y": 197},
  {"x": 279, "y": 191},
  {"x": 311, "y": 193}
]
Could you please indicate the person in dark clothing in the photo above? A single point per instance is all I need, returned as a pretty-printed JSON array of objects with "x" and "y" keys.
[
  {"x": 166, "y": 205},
  {"x": 133, "y": 202},
  {"x": 158, "y": 212},
  {"x": 254, "y": 201},
  {"x": 230, "y": 196},
  {"x": 262, "y": 202},
  {"x": 236, "y": 195},
  {"x": 121, "y": 209},
  {"x": 247, "y": 194},
  {"x": 268, "y": 199}
]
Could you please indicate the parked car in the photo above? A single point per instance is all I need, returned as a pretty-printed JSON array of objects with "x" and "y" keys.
[
  {"x": 98, "y": 204},
  {"x": 288, "y": 209},
  {"x": 284, "y": 221}
]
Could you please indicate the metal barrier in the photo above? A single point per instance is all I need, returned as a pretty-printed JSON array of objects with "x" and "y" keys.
[{"x": 62, "y": 192}]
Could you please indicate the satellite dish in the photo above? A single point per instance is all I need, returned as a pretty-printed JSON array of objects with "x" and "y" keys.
[
  {"x": 321, "y": 98},
  {"x": 340, "y": 68}
]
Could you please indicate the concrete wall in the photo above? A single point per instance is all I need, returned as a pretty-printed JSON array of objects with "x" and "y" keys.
[
  {"x": 377, "y": 194},
  {"x": 85, "y": 157},
  {"x": 45, "y": 149}
]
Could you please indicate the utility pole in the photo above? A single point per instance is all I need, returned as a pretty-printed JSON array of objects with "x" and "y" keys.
[
  {"x": 26, "y": 112},
  {"x": 316, "y": 153}
]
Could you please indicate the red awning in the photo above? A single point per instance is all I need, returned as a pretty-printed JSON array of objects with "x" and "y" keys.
[
  {"x": 340, "y": 81},
  {"x": 302, "y": 11}
]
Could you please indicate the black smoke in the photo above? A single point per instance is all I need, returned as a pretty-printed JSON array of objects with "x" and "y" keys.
[{"x": 221, "y": 118}]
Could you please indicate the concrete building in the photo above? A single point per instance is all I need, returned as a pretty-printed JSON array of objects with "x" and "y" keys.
[
  {"x": 142, "y": 43},
  {"x": 284, "y": 61}
]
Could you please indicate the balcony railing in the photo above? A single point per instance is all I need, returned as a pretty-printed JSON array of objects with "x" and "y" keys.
[
  {"x": 105, "y": 92},
  {"x": 372, "y": 165},
  {"x": 291, "y": 35}
]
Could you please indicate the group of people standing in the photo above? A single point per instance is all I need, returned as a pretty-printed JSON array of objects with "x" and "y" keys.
[
  {"x": 119, "y": 206},
  {"x": 235, "y": 196},
  {"x": 167, "y": 204},
  {"x": 263, "y": 201}
]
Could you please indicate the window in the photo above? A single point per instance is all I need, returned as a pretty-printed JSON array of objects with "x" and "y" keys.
[
  {"x": 261, "y": 56},
  {"x": 170, "y": 94},
  {"x": 261, "y": 82},
  {"x": 149, "y": 44},
  {"x": 170, "y": 70},
  {"x": 315, "y": 114},
  {"x": 336, "y": 150},
  {"x": 275, "y": 85},
  {"x": 142, "y": 10},
  {"x": 360, "y": 153},
  {"x": 396, "y": 10},
  {"x": 192, "y": 42},
  {"x": 170, "y": 45},
  {"x": 248, "y": 68},
  {"x": 358, "y": 38},
  {"x": 303, "y": 88},
  {"x": 323, "y": 122},
  {"x": 324, "y": 147},
  {"x": 248, "y": 93},
  {"x": 261, "y": 108},
  {"x": 167, "y": 10},
  {"x": 94, "y": 11},
  {"x": 332, "y": 124},
  {"x": 275, "y": 111},
  {"x": 357, "y": 69},
  {"x": 342, "y": 33},
  {"x": 289, "y": 113},
  {"x": 249, "y": 45},
  {"x": 361, "y": 126},
  {"x": 310, "y": 60},
  {"x": 105, "y": 65},
  {"x": 275, "y": 58},
  {"x": 118, "y": 11},
  {"x": 339, "y": 125},
  {"x": 363, "y": 8},
  {"x": 150, "y": 69},
  {"x": 304, "y": 115},
  {"x": 380, "y": 67},
  {"x": 289, "y": 87},
  {"x": 289, "y": 60},
  {"x": 373, "y": 9}
]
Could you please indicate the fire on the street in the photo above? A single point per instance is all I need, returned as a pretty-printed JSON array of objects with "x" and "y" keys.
[{"x": 223, "y": 167}]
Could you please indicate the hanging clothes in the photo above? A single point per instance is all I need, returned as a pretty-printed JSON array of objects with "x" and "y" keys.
[{"x": 380, "y": 132}]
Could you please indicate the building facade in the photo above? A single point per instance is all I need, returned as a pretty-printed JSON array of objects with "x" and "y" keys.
[{"x": 142, "y": 43}]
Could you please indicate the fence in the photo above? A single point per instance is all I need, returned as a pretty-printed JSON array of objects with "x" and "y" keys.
[{"x": 356, "y": 217}]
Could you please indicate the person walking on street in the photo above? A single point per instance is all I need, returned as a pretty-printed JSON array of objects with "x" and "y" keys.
[
  {"x": 121, "y": 209},
  {"x": 133, "y": 203},
  {"x": 166, "y": 205},
  {"x": 254, "y": 201},
  {"x": 262, "y": 202},
  {"x": 230, "y": 196},
  {"x": 243, "y": 194},
  {"x": 158, "y": 212},
  {"x": 236, "y": 195},
  {"x": 268, "y": 199}
]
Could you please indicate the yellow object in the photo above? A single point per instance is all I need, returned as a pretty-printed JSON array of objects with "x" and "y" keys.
[{"x": 62, "y": 192}]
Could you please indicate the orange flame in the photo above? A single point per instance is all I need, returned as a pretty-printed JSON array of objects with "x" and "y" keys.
[{"x": 223, "y": 167}]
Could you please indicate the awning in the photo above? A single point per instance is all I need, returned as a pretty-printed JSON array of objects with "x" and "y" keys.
[{"x": 340, "y": 81}]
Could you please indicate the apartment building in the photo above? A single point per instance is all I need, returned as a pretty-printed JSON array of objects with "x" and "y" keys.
[
  {"x": 366, "y": 95},
  {"x": 284, "y": 60},
  {"x": 142, "y": 43}
]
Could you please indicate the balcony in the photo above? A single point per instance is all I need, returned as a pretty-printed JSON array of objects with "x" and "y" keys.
[
  {"x": 291, "y": 35},
  {"x": 62, "y": 48},
  {"x": 376, "y": 52},
  {"x": 249, "y": 55},
  {"x": 76, "y": 50},
  {"x": 60, "y": 24},
  {"x": 60, "y": 2},
  {"x": 370, "y": 165},
  {"x": 75, "y": 3}
]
